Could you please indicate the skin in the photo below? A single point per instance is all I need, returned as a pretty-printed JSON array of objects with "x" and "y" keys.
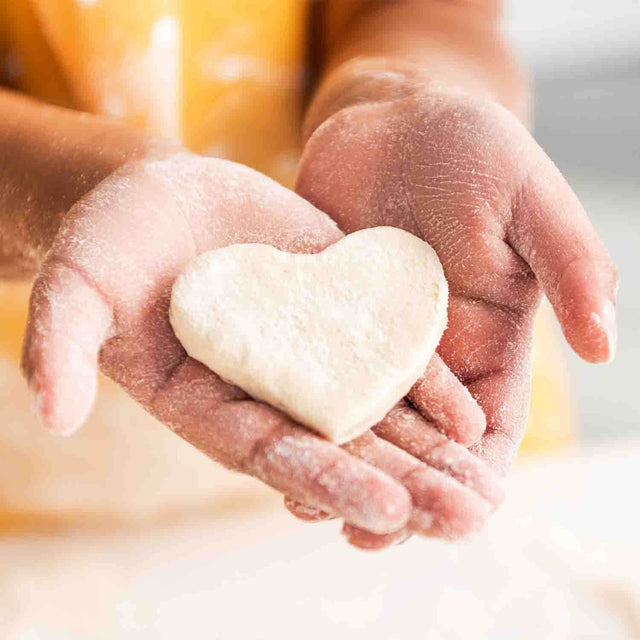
[
  {"x": 425, "y": 139},
  {"x": 106, "y": 234},
  {"x": 431, "y": 138},
  {"x": 102, "y": 296}
]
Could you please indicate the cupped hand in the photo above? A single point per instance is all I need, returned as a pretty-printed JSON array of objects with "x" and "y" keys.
[
  {"x": 101, "y": 301},
  {"x": 465, "y": 175}
]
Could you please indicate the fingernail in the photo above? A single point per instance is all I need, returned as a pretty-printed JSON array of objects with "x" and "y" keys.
[
  {"x": 403, "y": 539},
  {"x": 37, "y": 400},
  {"x": 608, "y": 319},
  {"x": 37, "y": 406}
]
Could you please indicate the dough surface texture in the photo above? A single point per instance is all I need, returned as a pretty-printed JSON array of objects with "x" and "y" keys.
[{"x": 333, "y": 339}]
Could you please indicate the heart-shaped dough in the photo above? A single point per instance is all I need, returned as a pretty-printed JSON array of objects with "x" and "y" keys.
[{"x": 334, "y": 339}]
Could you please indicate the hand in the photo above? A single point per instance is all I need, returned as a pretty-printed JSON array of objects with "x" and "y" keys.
[
  {"x": 102, "y": 296},
  {"x": 465, "y": 175}
]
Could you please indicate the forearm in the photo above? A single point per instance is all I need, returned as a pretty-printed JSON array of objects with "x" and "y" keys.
[
  {"x": 392, "y": 46},
  {"x": 49, "y": 158}
]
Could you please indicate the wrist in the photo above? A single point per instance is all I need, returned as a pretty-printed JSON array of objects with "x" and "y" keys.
[
  {"x": 368, "y": 80},
  {"x": 362, "y": 80},
  {"x": 49, "y": 159}
]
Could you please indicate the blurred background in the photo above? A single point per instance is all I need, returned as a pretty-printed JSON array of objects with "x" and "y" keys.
[{"x": 170, "y": 546}]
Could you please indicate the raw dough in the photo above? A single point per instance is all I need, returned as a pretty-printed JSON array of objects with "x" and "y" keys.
[{"x": 333, "y": 339}]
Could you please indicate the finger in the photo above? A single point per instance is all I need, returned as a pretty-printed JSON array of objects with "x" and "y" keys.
[
  {"x": 370, "y": 541},
  {"x": 68, "y": 321},
  {"x": 408, "y": 431},
  {"x": 255, "y": 439},
  {"x": 488, "y": 348},
  {"x": 313, "y": 470},
  {"x": 442, "y": 507},
  {"x": 504, "y": 396},
  {"x": 306, "y": 512},
  {"x": 444, "y": 401},
  {"x": 552, "y": 232}
]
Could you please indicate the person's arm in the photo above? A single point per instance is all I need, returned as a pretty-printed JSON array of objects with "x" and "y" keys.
[
  {"x": 49, "y": 158},
  {"x": 449, "y": 45}
]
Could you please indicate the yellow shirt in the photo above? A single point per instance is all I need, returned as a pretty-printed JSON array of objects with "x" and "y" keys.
[{"x": 225, "y": 77}]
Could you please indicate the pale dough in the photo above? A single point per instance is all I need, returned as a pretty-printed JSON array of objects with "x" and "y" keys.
[{"x": 333, "y": 339}]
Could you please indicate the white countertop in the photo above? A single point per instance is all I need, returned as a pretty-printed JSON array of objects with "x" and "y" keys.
[{"x": 560, "y": 560}]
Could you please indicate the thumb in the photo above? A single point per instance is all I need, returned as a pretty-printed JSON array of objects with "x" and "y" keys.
[{"x": 68, "y": 321}]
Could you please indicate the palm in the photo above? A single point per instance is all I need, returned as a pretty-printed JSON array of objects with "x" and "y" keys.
[
  {"x": 103, "y": 293},
  {"x": 468, "y": 178}
]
